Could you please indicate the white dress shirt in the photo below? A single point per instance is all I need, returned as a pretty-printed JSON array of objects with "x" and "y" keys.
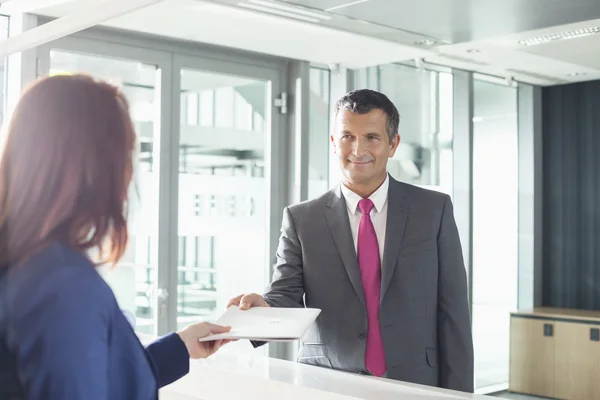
[{"x": 378, "y": 213}]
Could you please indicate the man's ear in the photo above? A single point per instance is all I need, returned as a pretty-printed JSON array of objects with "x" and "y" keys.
[{"x": 394, "y": 145}]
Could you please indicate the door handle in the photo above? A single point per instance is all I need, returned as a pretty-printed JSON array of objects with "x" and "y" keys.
[
  {"x": 548, "y": 330},
  {"x": 162, "y": 294}
]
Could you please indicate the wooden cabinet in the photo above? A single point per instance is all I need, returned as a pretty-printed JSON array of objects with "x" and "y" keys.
[
  {"x": 577, "y": 361},
  {"x": 530, "y": 349},
  {"x": 555, "y": 353}
]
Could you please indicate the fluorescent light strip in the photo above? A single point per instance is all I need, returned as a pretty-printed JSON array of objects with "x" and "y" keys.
[
  {"x": 295, "y": 10},
  {"x": 578, "y": 33},
  {"x": 346, "y": 5},
  {"x": 278, "y": 12}
]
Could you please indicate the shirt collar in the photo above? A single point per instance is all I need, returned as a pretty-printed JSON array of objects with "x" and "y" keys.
[{"x": 379, "y": 197}]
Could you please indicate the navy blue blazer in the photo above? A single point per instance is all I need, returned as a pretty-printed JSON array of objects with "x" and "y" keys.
[{"x": 63, "y": 336}]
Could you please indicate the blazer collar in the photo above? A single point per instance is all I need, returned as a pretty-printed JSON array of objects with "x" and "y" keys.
[
  {"x": 379, "y": 197},
  {"x": 337, "y": 219}
]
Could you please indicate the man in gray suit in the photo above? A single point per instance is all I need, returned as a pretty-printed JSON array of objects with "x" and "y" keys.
[{"x": 382, "y": 260}]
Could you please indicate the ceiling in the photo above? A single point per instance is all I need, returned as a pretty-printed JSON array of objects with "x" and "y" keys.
[
  {"x": 220, "y": 24},
  {"x": 477, "y": 35},
  {"x": 484, "y": 35},
  {"x": 459, "y": 21}
]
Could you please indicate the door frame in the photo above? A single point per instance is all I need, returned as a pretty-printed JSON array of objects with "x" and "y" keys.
[{"x": 275, "y": 149}]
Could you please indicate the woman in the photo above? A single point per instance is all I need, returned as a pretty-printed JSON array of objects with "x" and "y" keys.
[{"x": 64, "y": 175}]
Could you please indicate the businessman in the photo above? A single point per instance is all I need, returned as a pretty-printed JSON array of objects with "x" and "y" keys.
[{"x": 382, "y": 260}]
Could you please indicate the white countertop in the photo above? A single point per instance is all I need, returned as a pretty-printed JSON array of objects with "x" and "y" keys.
[{"x": 230, "y": 374}]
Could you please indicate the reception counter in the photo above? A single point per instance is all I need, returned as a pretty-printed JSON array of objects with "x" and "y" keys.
[{"x": 229, "y": 375}]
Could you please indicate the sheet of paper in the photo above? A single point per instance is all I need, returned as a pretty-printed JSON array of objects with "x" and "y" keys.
[{"x": 266, "y": 323}]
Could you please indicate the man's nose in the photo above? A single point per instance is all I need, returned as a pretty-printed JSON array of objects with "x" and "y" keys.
[{"x": 359, "y": 147}]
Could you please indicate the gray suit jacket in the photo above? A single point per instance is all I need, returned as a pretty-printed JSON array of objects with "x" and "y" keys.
[{"x": 424, "y": 314}]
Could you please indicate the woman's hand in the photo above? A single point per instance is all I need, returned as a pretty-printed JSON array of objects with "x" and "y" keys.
[{"x": 191, "y": 338}]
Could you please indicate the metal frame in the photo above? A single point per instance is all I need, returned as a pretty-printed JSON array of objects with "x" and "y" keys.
[
  {"x": 462, "y": 150},
  {"x": 297, "y": 165},
  {"x": 299, "y": 91},
  {"x": 275, "y": 151},
  {"x": 529, "y": 100},
  {"x": 170, "y": 56}
]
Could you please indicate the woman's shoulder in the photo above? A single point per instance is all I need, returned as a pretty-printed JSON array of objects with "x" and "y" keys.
[{"x": 57, "y": 274}]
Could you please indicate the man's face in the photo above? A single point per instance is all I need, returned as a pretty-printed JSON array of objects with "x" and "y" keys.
[{"x": 362, "y": 145}]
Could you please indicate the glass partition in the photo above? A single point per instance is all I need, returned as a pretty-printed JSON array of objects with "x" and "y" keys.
[
  {"x": 495, "y": 227},
  {"x": 223, "y": 192}
]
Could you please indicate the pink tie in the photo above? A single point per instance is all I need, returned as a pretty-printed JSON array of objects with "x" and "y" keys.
[{"x": 370, "y": 271}]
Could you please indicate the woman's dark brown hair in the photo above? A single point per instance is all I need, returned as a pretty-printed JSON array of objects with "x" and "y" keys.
[{"x": 65, "y": 169}]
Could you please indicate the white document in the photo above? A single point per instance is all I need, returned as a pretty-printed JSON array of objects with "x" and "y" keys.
[{"x": 267, "y": 324}]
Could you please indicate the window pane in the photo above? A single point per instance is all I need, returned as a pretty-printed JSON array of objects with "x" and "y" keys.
[
  {"x": 207, "y": 107},
  {"x": 132, "y": 280},
  {"x": 191, "y": 109},
  {"x": 223, "y": 193},
  {"x": 243, "y": 113},
  {"x": 224, "y": 107}
]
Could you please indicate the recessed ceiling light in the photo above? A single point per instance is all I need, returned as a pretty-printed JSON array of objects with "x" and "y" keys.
[
  {"x": 269, "y": 8},
  {"x": 473, "y": 51},
  {"x": 577, "y": 33},
  {"x": 346, "y": 5},
  {"x": 292, "y": 9},
  {"x": 576, "y": 74},
  {"x": 425, "y": 42}
]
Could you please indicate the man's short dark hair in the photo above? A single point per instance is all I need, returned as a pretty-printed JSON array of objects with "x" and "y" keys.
[{"x": 363, "y": 101}]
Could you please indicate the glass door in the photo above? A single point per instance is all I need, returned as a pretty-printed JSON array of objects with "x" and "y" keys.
[
  {"x": 134, "y": 280},
  {"x": 228, "y": 174},
  {"x": 211, "y": 177},
  {"x": 495, "y": 228}
]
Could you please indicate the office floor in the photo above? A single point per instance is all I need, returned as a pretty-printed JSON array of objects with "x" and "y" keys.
[{"x": 516, "y": 396}]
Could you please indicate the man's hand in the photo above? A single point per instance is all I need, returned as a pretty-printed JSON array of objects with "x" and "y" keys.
[
  {"x": 246, "y": 301},
  {"x": 191, "y": 335}
]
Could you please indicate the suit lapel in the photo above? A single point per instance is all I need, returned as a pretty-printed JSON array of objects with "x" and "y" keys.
[
  {"x": 336, "y": 215},
  {"x": 394, "y": 232}
]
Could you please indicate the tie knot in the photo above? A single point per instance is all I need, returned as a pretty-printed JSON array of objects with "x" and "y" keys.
[{"x": 366, "y": 205}]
